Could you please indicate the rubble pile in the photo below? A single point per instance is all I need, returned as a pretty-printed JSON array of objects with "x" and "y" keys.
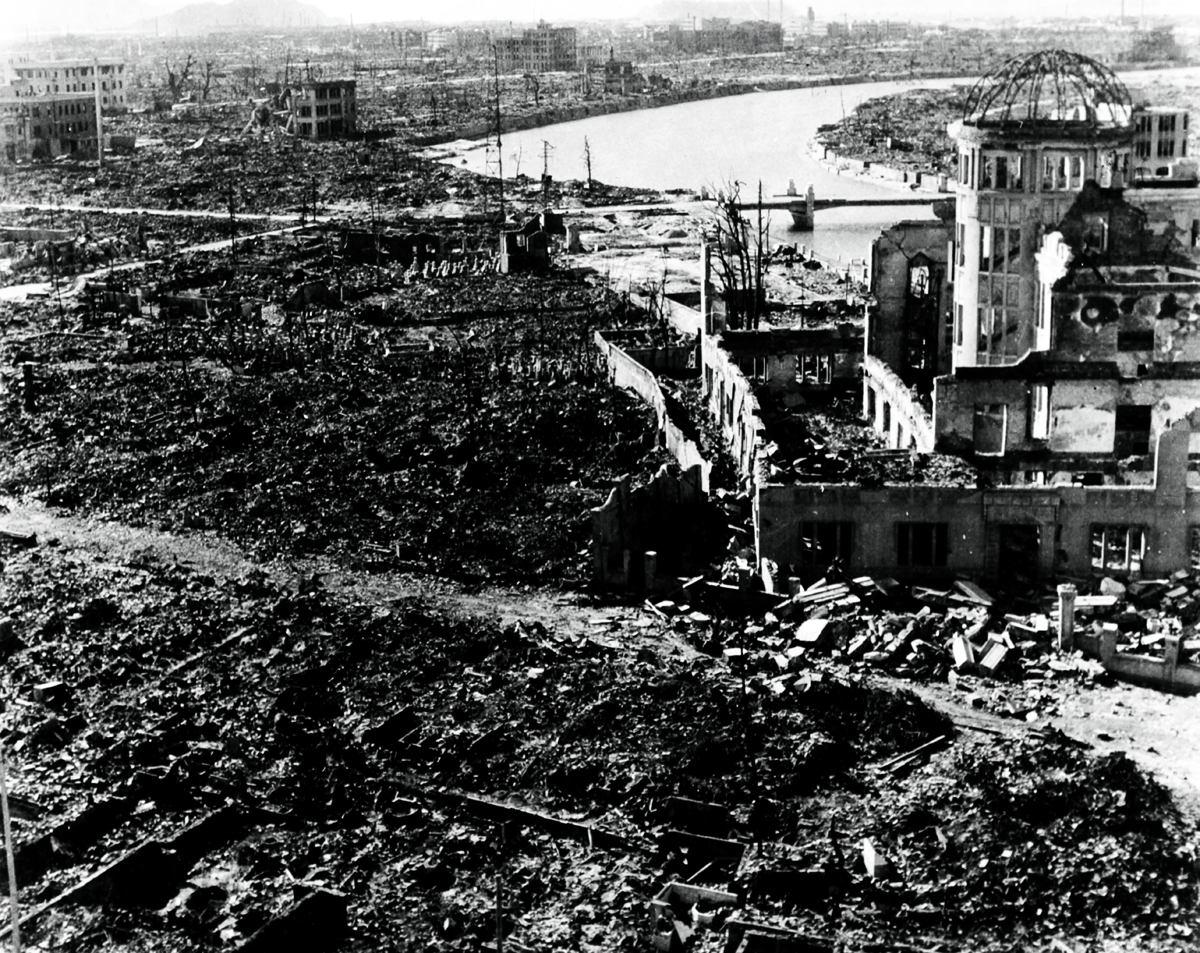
[
  {"x": 904, "y": 131},
  {"x": 358, "y": 453},
  {"x": 832, "y": 445},
  {"x": 1144, "y": 612},
  {"x": 217, "y": 755}
]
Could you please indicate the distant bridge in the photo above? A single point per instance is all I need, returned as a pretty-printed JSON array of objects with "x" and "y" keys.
[{"x": 803, "y": 209}]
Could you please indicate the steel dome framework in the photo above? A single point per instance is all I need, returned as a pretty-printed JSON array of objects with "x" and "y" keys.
[{"x": 1050, "y": 86}]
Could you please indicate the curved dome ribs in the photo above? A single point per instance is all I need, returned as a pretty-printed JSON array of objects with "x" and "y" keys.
[{"x": 1047, "y": 86}]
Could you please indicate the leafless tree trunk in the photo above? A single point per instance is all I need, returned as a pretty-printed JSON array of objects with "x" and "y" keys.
[
  {"x": 178, "y": 78},
  {"x": 739, "y": 258},
  {"x": 208, "y": 77}
]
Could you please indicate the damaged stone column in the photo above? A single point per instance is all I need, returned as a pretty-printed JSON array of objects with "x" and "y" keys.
[{"x": 1066, "y": 617}]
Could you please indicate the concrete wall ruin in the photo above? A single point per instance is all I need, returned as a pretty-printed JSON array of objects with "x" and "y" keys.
[
  {"x": 644, "y": 538},
  {"x": 934, "y": 531},
  {"x": 894, "y": 410},
  {"x": 625, "y": 372},
  {"x": 732, "y": 404}
]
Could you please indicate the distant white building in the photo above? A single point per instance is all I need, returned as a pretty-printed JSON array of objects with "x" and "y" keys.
[{"x": 66, "y": 77}]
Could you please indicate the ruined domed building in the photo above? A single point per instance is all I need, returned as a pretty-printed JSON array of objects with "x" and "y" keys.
[{"x": 1063, "y": 357}]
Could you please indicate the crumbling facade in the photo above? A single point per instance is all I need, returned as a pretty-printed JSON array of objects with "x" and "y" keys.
[
  {"x": 323, "y": 109},
  {"x": 46, "y": 126},
  {"x": 1075, "y": 231},
  {"x": 1044, "y": 332}
]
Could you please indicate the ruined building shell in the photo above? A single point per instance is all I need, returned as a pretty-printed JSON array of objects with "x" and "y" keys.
[{"x": 1050, "y": 86}]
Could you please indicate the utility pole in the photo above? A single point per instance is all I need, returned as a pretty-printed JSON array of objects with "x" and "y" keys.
[
  {"x": 499, "y": 149},
  {"x": 8, "y": 850},
  {"x": 758, "y": 260},
  {"x": 232, "y": 229},
  {"x": 99, "y": 120}
]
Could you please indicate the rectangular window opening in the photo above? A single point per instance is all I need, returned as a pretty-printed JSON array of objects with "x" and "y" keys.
[
  {"x": 822, "y": 542},
  {"x": 1132, "y": 430},
  {"x": 1117, "y": 548},
  {"x": 922, "y": 544}
]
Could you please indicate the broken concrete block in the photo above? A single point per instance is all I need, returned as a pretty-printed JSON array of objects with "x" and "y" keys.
[
  {"x": 993, "y": 656},
  {"x": 1110, "y": 587},
  {"x": 858, "y": 645},
  {"x": 813, "y": 632},
  {"x": 50, "y": 693},
  {"x": 973, "y": 592},
  {"x": 963, "y": 651},
  {"x": 876, "y": 864}
]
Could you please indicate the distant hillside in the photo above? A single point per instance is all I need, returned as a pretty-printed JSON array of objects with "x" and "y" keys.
[
  {"x": 75, "y": 16},
  {"x": 257, "y": 14}
]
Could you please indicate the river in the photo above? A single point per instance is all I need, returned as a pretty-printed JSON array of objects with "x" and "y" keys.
[{"x": 753, "y": 137}]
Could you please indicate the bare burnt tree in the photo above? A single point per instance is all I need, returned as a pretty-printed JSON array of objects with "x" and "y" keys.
[
  {"x": 207, "y": 78},
  {"x": 178, "y": 76},
  {"x": 533, "y": 85},
  {"x": 739, "y": 250}
]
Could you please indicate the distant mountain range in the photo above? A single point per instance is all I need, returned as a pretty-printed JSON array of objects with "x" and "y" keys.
[
  {"x": 250, "y": 14},
  {"x": 164, "y": 16}
]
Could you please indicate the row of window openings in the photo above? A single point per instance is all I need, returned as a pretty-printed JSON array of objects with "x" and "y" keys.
[
  {"x": 917, "y": 544},
  {"x": 810, "y": 369},
  {"x": 1122, "y": 547},
  {"x": 1164, "y": 149},
  {"x": 334, "y": 110},
  {"x": 999, "y": 248},
  {"x": 1131, "y": 425},
  {"x": 1166, "y": 123},
  {"x": 83, "y": 88},
  {"x": 72, "y": 71},
  {"x": 1113, "y": 547},
  {"x": 1060, "y": 172}
]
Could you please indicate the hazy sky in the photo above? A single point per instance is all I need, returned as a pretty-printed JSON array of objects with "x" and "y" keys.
[
  {"x": 22, "y": 19},
  {"x": 552, "y": 10}
]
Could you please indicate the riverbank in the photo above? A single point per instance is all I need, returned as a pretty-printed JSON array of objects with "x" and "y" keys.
[
  {"x": 558, "y": 113},
  {"x": 903, "y": 137}
]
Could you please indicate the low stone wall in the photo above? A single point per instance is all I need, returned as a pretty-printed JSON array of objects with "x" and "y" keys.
[{"x": 1166, "y": 674}]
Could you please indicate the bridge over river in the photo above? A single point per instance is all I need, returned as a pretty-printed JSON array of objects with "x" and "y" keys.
[{"x": 804, "y": 208}]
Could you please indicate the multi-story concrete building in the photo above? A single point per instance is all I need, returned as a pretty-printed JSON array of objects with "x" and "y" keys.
[
  {"x": 323, "y": 109},
  {"x": 1073, "y": 207},
  {"x": 544, "y": 49},
  {"x": 45, "y": 127},
  {"x": 66, "y": 77}
]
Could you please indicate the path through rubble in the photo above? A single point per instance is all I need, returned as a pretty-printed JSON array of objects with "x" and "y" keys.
[{"x": 1155, "y": 729}]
